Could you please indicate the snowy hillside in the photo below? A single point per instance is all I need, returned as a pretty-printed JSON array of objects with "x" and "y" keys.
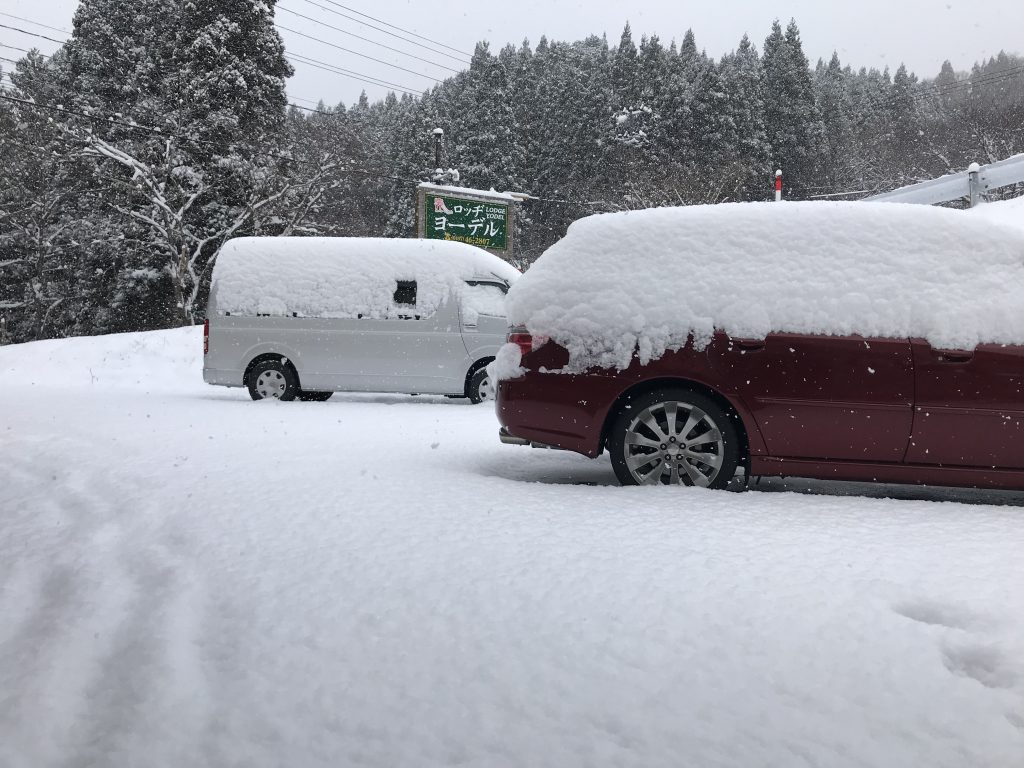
[{"x": 191, "y": 578}]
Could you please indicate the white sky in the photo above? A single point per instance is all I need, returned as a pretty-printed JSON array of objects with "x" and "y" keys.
[{"x": 865, "y": 32}]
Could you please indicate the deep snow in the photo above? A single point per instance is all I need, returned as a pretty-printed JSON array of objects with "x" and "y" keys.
[
  {"x": 344, "y": 276},
  {"x": 645, "y": 281},
  {"x": 191, "y": 578}
]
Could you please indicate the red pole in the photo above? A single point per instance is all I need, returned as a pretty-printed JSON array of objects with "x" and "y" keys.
[{"x": 778, "y": 186}]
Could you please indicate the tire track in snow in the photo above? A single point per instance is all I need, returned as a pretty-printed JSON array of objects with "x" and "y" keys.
[{"x": 106, "y": 632}]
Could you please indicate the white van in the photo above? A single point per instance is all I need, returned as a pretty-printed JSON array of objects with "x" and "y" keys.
[{"x": 303, "y": 317}]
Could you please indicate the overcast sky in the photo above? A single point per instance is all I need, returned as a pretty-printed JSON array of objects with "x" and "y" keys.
[{"x": 872, "y": 33}]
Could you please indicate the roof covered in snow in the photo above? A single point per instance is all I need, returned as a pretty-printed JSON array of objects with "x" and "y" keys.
[
  {"x": 444, "y": 189},
  {"x": 646, "y": 280},
  {"x": 1009, "y": 212},
  {"x": 343, "y": 276}
]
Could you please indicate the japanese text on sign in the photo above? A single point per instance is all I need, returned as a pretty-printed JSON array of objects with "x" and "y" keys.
[{"x": 467, "y": 221}]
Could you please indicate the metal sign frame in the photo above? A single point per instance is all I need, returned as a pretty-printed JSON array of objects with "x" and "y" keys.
[{"x": 482, "y": 222}]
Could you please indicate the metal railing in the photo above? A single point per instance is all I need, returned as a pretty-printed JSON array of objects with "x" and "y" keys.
[{"x": 975, "y": 183}]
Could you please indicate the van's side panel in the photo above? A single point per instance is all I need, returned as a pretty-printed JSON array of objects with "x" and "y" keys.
[
  {"x": 393, "y": 355},
  {"x": 345, "y": 354},
  {"x": 236, "y": 341}
]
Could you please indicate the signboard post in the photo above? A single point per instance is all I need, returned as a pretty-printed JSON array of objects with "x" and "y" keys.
[{"x": 483, "y": 219}]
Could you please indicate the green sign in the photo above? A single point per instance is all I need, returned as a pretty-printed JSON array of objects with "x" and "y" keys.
[{"x": 466, "y": 221}]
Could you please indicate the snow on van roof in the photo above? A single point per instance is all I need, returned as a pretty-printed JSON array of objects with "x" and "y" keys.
[
  {"x": 343, "y": 276},
  {"x": 645, "y": 280}
]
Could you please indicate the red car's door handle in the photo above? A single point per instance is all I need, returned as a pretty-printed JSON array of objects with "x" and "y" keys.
[
  {"x": 750, "y": 345},
  {"x": 954, "y": 355}
]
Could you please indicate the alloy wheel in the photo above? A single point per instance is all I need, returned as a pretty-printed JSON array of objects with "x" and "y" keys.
[{"x": 673, "y": 443}]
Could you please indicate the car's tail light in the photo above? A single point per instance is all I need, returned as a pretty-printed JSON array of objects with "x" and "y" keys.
[
  {"x": 522, "y": 338},
  {"x": 206, "y": 336}
]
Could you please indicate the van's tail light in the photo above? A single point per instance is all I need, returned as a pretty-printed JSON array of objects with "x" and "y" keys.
[
  {"x": 206, "y": 336},
  {"x": 526, "y": 341}
]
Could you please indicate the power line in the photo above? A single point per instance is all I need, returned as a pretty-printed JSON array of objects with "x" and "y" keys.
[
  {"x": 394, "y": 26},
  {"x": 327, "y": 67},
  {"x": 36, "y": 23},
  {"x": 22, "y": 50},
  {"x": 158, "y": 131},
  {"x": 368, "y": 40},
  {"x": 297, "y": 161},
  {"x": 368, "y": 79},
  {"x": 461, "y": 59},
  {"x": 63, "y": 110},
  {"x": 33, "y": 34},
  {"x": 357, "y": 53}
]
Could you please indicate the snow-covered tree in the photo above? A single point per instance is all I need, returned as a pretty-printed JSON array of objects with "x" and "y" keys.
[{"x": 791, "y": 115}]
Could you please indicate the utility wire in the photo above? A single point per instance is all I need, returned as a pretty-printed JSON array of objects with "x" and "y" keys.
[
  {"x": 462, "y": 59},
  {"x": 33, "y": 34},
  {"x": 357, "y": 53},
  {"x": 22, "y": 50},
  {"x": 368, "y": 40},
  {"x": 368, "y": 79},
  {"x": 327, "y": 67},
  {"x": 36, "y": 23},
  {"x": 393, "y": 26},
  {"x": 165, "y": 134}
]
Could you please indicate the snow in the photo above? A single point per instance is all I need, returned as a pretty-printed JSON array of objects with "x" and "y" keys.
[
  {"x": 453, "y": 191},
  {"x": 1007, "y": 212},
  {"x": 646, "y": 280},
  {"x": 342, "y": 276},
  {"x": 191, "y": 578}
]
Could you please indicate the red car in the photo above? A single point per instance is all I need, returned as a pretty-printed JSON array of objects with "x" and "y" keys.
[{"x": 848, "y": 408}]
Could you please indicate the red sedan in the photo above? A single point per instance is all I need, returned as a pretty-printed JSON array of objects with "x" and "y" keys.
[{"x": 848, "y": 408}]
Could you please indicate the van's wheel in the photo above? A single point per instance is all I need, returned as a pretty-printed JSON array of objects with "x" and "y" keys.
[
  {"x": 673, "y": 437},
  {"x": 271, "y": 378},
  {"x": 314, "y": 397},
  {"x": 480, "y": 388}
]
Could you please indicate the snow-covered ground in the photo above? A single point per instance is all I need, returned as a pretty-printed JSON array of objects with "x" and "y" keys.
[{"x": 188, "y": 578}]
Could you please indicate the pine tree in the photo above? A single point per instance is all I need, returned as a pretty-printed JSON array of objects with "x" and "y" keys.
[
  {"x": 833, "y": 94},
  {"x": 794, "y": 127},
  {"x": 625, "y": 71},
  {"x": 746, "y": 144}
]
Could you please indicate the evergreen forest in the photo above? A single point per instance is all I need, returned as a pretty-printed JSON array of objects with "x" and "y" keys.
[{"x": 159, "y": 130}]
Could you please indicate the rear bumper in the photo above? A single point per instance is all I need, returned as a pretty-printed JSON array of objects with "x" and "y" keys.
[
  {"x": 509, "y": 439},
  {"x": 224, "y": 378},
  {"x": 556, "y": 410}
]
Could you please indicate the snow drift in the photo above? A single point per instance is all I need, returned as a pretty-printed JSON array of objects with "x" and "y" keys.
[
  {"x": 645, "y": 281},
  {"x": 343, "y": 276}
]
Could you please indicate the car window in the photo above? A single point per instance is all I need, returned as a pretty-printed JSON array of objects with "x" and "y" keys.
[
  {"x": 484, "y": 299},
  {"x": 405, "y": 294}
]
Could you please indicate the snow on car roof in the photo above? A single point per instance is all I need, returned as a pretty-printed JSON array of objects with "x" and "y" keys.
[
  {"x": 1009, "y": 212},
  {"x": 343, "y": 276},
  {"x": 646, "y": 280}
]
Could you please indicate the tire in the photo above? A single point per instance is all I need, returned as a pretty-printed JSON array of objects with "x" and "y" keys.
[
  {"x": 271, "y": 378},
  {"x": 314, "y": 397},
  {"x": 480, "y": 389},
  {"x": 649, "y": 426}
]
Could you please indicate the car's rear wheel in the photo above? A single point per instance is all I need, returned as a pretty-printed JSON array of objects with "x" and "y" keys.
[
  {"x": 271, "y": 378},
  {"x": 480, "y": 387},
  {"x": 673, "y": 437},
  {"x": 314, "y": 397}
]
